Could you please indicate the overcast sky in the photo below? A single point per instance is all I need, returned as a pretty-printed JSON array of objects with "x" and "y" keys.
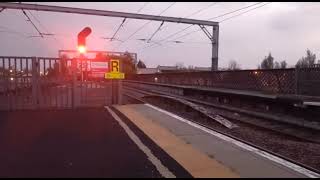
[{"x": 286, "y": 29}]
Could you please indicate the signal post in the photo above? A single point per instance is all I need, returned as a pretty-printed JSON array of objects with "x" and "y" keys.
[{"x": 116, "y": 76}]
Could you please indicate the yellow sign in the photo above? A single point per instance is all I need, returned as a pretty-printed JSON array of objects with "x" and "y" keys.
[
  {"x": 114, "y": 75},
  {"x": 115, "y": 70},
  {"x": 115, "y": 65}
]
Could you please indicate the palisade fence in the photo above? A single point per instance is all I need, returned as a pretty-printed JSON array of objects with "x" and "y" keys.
[
  {"x": 299, "y": 81},
  {"x": 49, "y": 83}
]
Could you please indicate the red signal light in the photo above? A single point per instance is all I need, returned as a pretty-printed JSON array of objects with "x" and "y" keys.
[
  {"x": 82, "y": 49},
  {"x": 82, "y": 39}
]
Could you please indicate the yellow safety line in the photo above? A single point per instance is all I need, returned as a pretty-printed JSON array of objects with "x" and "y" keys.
[{"x": 197, "y": 163}]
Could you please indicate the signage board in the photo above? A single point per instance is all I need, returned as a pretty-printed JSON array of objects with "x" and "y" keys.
[
  {"x": 85, "y": 65},
  {"x": 113, "y": 75},
  {"x": 99, "y": 66},
  {"x": 95, "y": 67},
  {"x": 114, "y": 70}
]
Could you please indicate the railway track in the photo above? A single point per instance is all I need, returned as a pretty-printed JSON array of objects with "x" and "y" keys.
[
  {"x": 301, "y": 133},
  {"x": 136, "y": 94}
]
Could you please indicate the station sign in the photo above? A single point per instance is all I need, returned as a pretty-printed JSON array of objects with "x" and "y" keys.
[
  {"x": 97, "y": 68},
  {"x": 85, "y": 65},
  {"x": 114, "y": 70}
]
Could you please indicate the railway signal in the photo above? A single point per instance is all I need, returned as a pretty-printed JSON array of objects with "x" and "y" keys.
[{"x": 82, "y": 40}]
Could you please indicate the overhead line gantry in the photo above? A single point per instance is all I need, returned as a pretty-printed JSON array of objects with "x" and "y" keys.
[{"x": 214, "y": 36}]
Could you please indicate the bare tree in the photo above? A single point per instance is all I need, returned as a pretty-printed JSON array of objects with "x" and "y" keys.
[
  {"x": 283, "y": 64},
  {"x": 276, "y": 65},
  {"x": 307, "y": 61},
  {"x": 233, "y": 65},
  {"x": 267, "y": 62},
  {"x": 141, "y": 64}
]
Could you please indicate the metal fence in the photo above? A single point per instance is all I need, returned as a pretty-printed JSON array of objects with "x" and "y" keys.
[
  {"x": 16, "y": 82},
  {"x": 308, "y": 81},
  {"x": 46, "y": 83},
  {"x": 302, "y": 81}
]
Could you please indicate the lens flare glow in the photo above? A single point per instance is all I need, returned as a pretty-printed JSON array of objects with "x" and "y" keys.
[{"x": 82, "y": 49}]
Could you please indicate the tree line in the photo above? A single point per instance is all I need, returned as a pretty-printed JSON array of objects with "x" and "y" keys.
[{"x": 269, "y": 63}]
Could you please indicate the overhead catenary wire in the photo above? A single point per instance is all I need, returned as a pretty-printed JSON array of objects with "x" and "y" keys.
[
  {"x": 143, "y": 6},
  {"x": 197, "y": 12},
  {"x": 143, "y": 39},
  {"x": 187, "y": 42},
  {"x": 47, "y": 31},
  {"x": 203, "y": 9},
  {"x": 243, "y": 12},
  {"x": 192, "y": 14},
  {"x": 13, "y": 32},
  {"x": 225, "y": 19},
  {"x": 179, "y": 37},
  {"x": 236, "y": 10},
  {"x": 166, "y": 38},
  {"x": 8, "y": 30},
  {"x": 32, "y": 23},
  {"x": 34, "y": 17},
  {"x": 113, "y": 39},
  {"x": 121, "y": 25},
  {"x": 148, "y": 22},
  {"x": 159, "y": 28},
  {"x": 145, "y": 24},
  {"x": 139, "y": 10},
  {"x": 231, "y": 12}
]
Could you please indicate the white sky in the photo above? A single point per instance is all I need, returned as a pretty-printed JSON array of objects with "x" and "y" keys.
[{"x": 286, "y": 29}]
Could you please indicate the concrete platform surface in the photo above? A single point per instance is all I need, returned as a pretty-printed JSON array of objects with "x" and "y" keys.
[
  {"x": 220, "y": 156},
  {"x": 68, "y": 143},
  {"x": 137, "y": 140}
]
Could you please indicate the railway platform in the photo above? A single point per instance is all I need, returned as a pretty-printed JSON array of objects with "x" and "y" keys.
[
  {"x": 136, "y": 140},
  {"x": 201, "y": 151}
]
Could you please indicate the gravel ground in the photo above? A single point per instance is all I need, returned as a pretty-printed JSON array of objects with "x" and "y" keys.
[{"x": 293, "y": 148}]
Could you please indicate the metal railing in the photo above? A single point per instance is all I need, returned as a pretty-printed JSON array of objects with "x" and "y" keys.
[
  {"x": 300, "y": 81},
  {"x": 46, "y": 83}
]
